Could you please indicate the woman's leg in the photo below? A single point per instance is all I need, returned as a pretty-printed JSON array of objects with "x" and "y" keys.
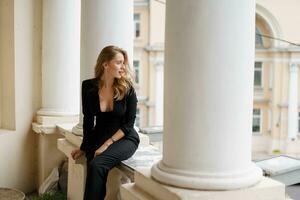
[{"x": 98, "y": 167}]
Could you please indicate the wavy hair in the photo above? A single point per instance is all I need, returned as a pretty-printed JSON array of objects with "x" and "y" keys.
[{"x": 122, "y": 85}]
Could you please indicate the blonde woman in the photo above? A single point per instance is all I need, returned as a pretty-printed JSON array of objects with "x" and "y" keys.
[{"x": 109, "y": 107}]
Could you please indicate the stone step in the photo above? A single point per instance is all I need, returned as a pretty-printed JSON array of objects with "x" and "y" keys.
[
  {"x": 267, "y": 189},
  {"x": 130, "y": 191},
  {"x": 144, "y": 180}
]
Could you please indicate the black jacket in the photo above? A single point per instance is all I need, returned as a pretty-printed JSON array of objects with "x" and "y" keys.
[{"x": 99, "y": 126}]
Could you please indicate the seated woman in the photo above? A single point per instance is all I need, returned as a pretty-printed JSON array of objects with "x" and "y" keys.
[{"x": 109, "y": 107}]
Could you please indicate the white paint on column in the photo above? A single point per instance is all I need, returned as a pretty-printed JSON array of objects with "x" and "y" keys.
[
  {"x": 103, "y": 23},
  {"x": 60, "y": 57},
  {"x": 208, "y": 79},
  {"x": 159, "y": 93},
  {"x": 293, "y": 102}
]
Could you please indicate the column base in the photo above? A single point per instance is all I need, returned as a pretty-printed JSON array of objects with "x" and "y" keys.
[
  {"x": 144, "y": 186},
  {"x": 193, "y": 180}
]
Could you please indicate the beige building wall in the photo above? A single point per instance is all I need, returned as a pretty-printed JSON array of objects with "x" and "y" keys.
[
  {"x": 149, "y": 50},
  {"x": 286, "y": 14},
  {"x": 156, "y": 53},
  {"x": 18, "y": 147},
  {"x": 141, "y": 55},
  {"x": 274, "y": 19},
  {"x": 157, "y": 22}
]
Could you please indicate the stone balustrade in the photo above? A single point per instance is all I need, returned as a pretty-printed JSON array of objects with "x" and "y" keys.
[{"x": 144, "y": 157}]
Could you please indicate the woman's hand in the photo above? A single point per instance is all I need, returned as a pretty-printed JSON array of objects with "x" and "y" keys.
[
  {"x": 103, "y": 148},
  {"x": 77, "y": 153}
]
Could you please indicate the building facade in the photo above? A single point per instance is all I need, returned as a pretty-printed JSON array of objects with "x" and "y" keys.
[
  {"x": 275, "y": 76},
  {"x": 149, "y": 19}
]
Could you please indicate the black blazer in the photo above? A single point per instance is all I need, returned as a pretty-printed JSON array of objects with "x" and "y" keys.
[{"x": 122, "y": 116}]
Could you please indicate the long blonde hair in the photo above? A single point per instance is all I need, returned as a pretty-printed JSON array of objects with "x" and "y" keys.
[{"x": 122, "y": 85}]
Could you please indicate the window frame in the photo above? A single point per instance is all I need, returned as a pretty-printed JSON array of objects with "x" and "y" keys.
[
  {"x": 259, "y": 37},
  {"x": 136, "y": 70},
  {"x": 137, "y": 22},
  {"x": 262, "y": 74},
  {"x": 260, "y": 117}
]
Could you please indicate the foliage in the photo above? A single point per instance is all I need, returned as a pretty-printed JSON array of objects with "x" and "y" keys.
[{"x": 276, "y": 151}]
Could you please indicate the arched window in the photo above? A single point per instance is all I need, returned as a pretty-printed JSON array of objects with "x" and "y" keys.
[{"x": 258, "y": 38}]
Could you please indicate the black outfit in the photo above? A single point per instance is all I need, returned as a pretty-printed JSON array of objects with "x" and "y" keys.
[{"x": 98, "y": 127}]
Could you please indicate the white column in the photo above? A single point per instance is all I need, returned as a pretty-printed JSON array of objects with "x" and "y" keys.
[
  {"x": 209, "y": 56},
  {"x": 103, "y": 23},
  {"x": 60, "y": 58},
  {"x": 159, "y": 93},
  {"x": 293, "y": 102}
]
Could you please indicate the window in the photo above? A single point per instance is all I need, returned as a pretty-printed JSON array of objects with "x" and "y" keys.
[
  {"x": 258, "y": 38},
  {"x": 258, "y": 74},
  {"x": 136, "y": 68},
  {"x": 137, "y": 24},
  {"x": 256, "y": 126},
  {"x": 137, "y": 119}
]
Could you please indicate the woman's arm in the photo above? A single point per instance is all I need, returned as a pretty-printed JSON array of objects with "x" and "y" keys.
[
  {"x": 88, "y": 124},
  {"x": 131, "y": 104},
  {"x": 117, "y": 136},
  {"x": 130, "y": 115},
  {"x": 88, "y": 118}
]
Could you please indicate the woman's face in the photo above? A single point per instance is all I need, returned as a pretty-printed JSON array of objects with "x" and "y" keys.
[{"x": 116, "y": 67}]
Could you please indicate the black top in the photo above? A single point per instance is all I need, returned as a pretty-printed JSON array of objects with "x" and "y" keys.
[{"x": 99, "y": 126}]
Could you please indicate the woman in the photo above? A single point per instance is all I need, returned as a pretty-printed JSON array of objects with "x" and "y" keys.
[{"x": 109, "y": 107}]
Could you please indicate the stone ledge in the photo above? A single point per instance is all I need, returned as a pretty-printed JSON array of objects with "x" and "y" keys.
[
  {"x": 144, "y": 157},
  {"x": 66, "y": 130},
  {"x": 43, "y": 129},
  {"x": 267, "y": 189},
  {"x": 119, "y": 174},
  {"x": 52, "y": 128},
  {"x": 50, "y": 120},
  {"x": 132, "y": 192},
  {"x": 66, "y": 147}
]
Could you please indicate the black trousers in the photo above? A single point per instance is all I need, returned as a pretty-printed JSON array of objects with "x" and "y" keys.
[{"x": 98, "y": 167}]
